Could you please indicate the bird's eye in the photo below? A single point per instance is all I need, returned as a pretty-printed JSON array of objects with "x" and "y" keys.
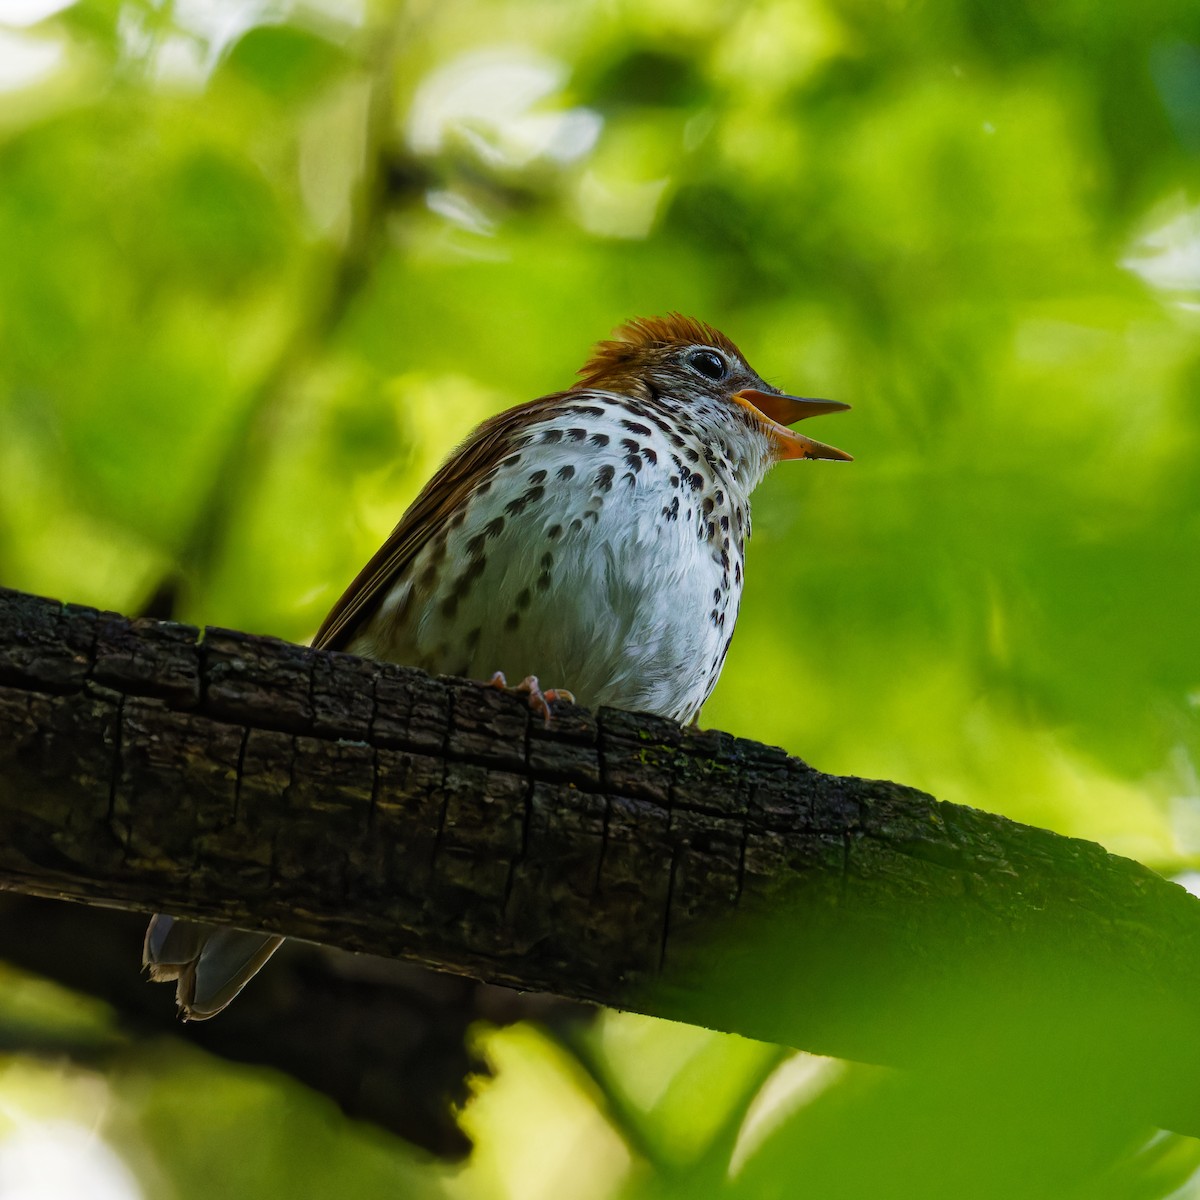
[{"x": 708, "y": 362}]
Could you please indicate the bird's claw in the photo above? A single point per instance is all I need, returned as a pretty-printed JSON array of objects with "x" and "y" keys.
[{"x": 541, "y": 702}]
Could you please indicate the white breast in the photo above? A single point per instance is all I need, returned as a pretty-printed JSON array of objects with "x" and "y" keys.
[{"x": 605, "y": 555}]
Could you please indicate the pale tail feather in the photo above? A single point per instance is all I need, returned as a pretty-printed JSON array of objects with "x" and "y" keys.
[{"x": 210, "y": 964}]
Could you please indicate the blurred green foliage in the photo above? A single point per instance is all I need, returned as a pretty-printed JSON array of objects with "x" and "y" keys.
[{"x": 262, "y": 266}]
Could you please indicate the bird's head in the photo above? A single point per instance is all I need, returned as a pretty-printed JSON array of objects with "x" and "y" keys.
[{"x": 686, "y": 361}]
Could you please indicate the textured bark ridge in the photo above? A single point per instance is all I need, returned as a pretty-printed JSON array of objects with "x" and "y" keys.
[{"x": 612, "y": 857}]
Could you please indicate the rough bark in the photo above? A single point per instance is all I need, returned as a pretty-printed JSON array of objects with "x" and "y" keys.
[{"x": 612, "y": 857}]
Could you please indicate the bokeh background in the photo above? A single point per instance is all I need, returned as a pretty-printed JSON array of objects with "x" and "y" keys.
[{"x": 263, "y": 263}]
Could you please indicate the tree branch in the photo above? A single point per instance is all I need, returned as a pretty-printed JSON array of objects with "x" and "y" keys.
[{"x": 612, "y": 857}]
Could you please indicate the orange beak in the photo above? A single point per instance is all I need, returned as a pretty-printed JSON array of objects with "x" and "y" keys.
[{"x": 776, "y": 413}]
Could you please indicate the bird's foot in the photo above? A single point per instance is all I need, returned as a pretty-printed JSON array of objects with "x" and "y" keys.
[{"x": 541, "y": 702}]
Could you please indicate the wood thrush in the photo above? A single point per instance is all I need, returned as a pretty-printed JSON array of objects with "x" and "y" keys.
[{"x": 595, "y": 537}]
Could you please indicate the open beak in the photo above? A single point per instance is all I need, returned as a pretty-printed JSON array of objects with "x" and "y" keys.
[{"x": 776, "y": 413}]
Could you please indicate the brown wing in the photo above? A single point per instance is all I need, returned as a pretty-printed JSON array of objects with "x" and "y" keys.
[{"x": 490, "y": 442}]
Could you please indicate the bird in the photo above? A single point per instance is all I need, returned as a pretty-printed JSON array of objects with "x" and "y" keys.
[{"x": 595, "y": 537}]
